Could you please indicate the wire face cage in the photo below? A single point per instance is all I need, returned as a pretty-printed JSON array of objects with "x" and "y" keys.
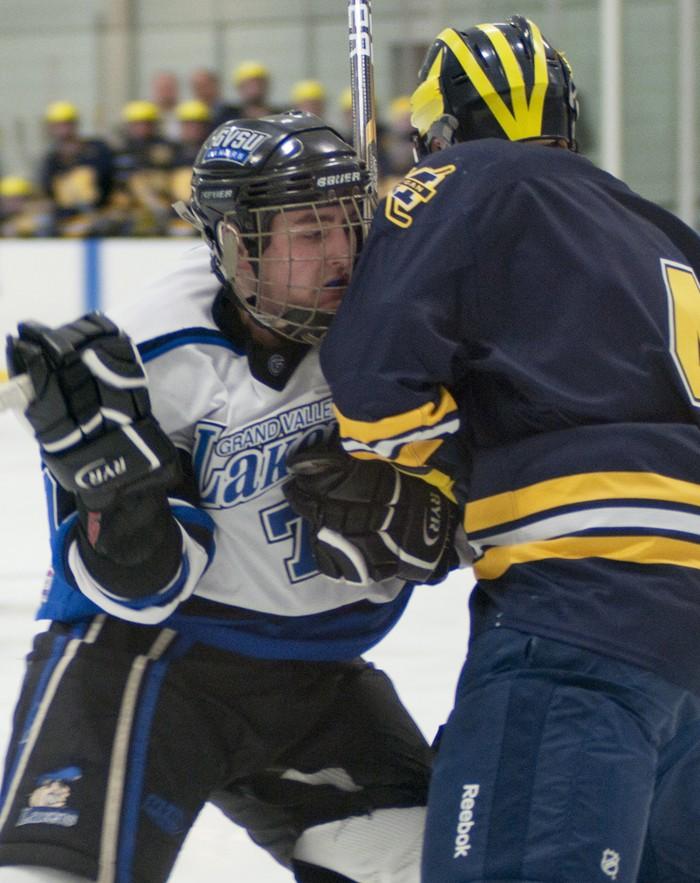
[{"x": 292, "y": 265}]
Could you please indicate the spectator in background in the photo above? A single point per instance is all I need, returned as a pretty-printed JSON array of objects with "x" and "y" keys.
[
  {"x": 345, "y": 107},
  {"x": 76, "y": 173},
  {"x": 22, "y": 211},
  {"x": 309, "y": 96},
  {"x": 206, "y": 87},
  {"x": 165, "y": 91},
  {"x": 252, "y": 82},
  {"x": 346, "y": 130},
  {"x": 396, "y": 145},
  {"x": 194, "y": 119},
  {"x": 143, "y": 165}
]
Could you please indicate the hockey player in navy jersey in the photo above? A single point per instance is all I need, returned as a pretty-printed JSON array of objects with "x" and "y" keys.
[
  {"x": 195, "y": 652},
  {"x": 522, "y": 332}
]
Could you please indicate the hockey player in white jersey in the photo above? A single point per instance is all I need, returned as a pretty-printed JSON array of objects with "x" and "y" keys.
[{"x": 195, "y": 652}]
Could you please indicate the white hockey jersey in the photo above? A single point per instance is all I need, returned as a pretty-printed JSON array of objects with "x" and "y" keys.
[{"x": 256, "y": 588}]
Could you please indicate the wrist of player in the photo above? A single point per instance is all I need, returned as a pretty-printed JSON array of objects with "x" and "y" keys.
[{"x": 132, "y": 546}]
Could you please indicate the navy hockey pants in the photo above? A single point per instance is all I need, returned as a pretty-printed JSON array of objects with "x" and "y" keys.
[
  {"x": 559, "y": 765},
  {"x": 122, "y": 732}
]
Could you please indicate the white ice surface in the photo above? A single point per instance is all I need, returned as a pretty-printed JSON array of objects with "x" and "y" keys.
[{"x": 423, "y": 654}]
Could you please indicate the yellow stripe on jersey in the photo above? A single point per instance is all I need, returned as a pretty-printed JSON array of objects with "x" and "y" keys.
[
  {"x": 387, "y": 428},
  {"x": 414, "y": 454},
  {"x": 636, "y": 549},
  {"x": 525, "y": 120},
  {"x": 587, "y": 487},
  {"x": 440, "y": 480}
]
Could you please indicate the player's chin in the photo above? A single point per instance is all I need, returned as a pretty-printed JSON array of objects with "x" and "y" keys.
[{"x": 330, "y": 298}]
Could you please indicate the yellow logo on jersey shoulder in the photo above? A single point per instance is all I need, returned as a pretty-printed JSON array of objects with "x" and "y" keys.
[{"x": 419, "y": 186}]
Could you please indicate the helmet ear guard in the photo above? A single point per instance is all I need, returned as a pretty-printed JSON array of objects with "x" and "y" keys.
[
  {"x": 444, "y": 130},
  {"x": 227, "y": 247},
  {"x": 184, "y": 210},
  {"x": 230, "y": 247}
]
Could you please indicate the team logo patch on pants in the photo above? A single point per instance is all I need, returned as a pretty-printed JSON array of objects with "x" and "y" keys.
[{"x": 48, "y": 802}]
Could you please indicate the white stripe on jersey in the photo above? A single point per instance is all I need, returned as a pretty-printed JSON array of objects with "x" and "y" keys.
[{"x": 661, "y": 519}]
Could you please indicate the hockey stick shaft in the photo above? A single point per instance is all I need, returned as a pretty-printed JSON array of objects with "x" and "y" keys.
[
  {"x": 364, "y": 116},
  {"x": 17, "y": 393}
]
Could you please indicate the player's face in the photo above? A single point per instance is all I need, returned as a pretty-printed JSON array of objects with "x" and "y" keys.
[{"x": 308, "y": 260}]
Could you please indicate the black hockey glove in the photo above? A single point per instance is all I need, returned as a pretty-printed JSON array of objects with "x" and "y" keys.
[
  {"x": 371, "y": 522},
  {"x": 91, "y": 413}
]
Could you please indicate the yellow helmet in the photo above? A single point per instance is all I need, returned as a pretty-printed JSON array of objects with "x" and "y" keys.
[
  {"x": 193, "y": 111},
  {"x": 250, "y": 70},
  {"x": 399, "y": 107},
  {"x": 13, "y": 185},
  {"x": 61, "y": 112},
  {"x": 308, "y": 90},
  {"x": 345, "y": 100},
  {"x": 140, "y": 112}
]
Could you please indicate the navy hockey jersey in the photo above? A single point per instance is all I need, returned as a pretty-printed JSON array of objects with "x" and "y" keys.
[
  {"x": 247, "y": 580},
  {"x": 522, "y": 330}
]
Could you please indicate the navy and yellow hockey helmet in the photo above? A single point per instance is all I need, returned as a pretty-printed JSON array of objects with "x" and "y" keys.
[
  {"x": 248, "y": 171},
  {"x": 500, "y": 80}
]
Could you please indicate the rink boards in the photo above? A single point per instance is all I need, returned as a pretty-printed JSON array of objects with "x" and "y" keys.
[{"x": 55, "y": 280}]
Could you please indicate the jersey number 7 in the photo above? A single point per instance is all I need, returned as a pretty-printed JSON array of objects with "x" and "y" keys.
[{"x": 280, "y": 523}]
